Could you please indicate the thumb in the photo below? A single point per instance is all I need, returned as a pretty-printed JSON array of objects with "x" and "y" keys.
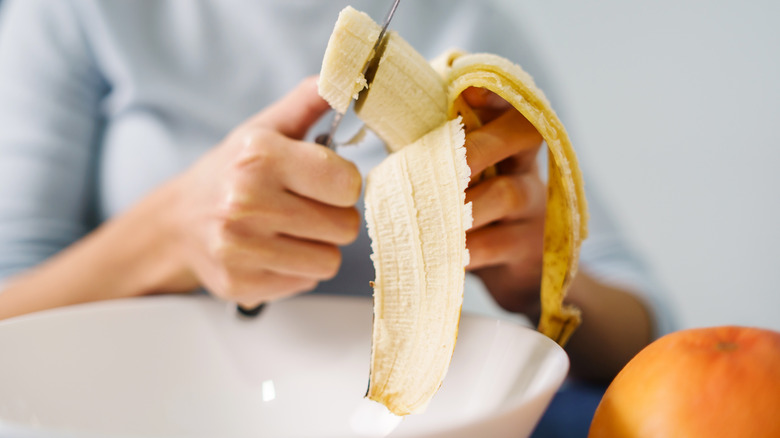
[
  {"x": 510, "y": 135},
  {"x": 293, "y": 114}
]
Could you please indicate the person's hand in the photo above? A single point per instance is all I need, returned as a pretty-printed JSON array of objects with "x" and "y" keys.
[
  {"x": 506, "y": 240},
  {"x": 262, "y": 215}
]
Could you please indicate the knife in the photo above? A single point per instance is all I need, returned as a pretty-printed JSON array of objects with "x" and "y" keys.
[{"x": 326, "y": 138}]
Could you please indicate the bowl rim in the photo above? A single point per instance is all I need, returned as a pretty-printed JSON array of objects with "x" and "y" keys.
[{"x": 196, "y": 300}]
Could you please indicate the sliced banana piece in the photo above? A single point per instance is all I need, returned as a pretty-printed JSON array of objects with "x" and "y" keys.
[
  {"x": 407, "y": 98},
  {"x": 341, "y": 75}
]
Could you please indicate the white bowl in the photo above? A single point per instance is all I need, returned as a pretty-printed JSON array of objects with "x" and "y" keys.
[{"x": 187, "y": 366}]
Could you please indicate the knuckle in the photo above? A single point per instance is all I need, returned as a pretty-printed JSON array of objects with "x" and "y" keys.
[
  {"x": 259, "y": 151},
  {"x": 511, "y": 194},
  {"x": 478, "y": 146},
  {"x": 238, "y": 208},
  {"x": 234, "y": 206},
  {"x": 219, "y": 250}
]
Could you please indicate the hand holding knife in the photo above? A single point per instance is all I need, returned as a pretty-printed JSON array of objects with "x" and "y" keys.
[{"x": 327, "y": 138}]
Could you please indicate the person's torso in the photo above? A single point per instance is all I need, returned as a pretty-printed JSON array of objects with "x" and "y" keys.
[{"x": 183, "y": 73}]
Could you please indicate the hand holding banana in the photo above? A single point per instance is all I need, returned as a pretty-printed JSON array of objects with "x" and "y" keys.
[{"x": 507, "y": 237}]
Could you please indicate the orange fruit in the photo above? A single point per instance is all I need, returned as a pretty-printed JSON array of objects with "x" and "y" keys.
[{"x": 704, "y": 382}]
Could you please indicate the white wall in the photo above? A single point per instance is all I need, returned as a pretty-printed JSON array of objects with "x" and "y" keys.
[{"x": 677, "y": 104}]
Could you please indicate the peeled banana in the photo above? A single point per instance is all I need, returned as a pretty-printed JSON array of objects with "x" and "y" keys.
[
  {"x": 415, "y": 199},
  {"x": 416, "y": 215}
]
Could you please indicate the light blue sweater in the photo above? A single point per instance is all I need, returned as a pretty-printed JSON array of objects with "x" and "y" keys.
[{"x": 102, "y": 101}]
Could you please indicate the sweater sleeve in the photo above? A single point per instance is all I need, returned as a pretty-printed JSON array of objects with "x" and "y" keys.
[{"x": 50, "y": 123}]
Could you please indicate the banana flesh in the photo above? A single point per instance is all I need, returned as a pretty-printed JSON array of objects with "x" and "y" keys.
[
  {"x": 407, "y": 97},
  {"x": 341, "y": 79},
  {"x": 415, "y": 200},
  {"x": 412, "y": 208}
]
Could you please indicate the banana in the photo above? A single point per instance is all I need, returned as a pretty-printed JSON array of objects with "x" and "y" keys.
[
  {"x": 407, "y": 98},
  {"x": 416, "y": 212},
  {"x": 566, "y": 215},
  {"x": 415, "y": 199}
]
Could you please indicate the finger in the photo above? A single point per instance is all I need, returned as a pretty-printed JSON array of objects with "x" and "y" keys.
[
  {"x": 233, "y": 275},
  {"x": 280, "y": 254},
  {"x": 298, "y": 217},
  {"x": 267, "y": 286},
  {"x": 519, "y": 242},
  {"x": 323, "y": 223},
  {"x": 320, "y": 174},
  {"x": 269, "y": 160},
  {"x": 478, "y": 97},
  {"x": 520, "y": 163},
  {"x": 507, "y": 197},
  {"x": 508, "y": 135},
  {"x": 485, "y": 104},
  {"x": 293, "y": 114}
]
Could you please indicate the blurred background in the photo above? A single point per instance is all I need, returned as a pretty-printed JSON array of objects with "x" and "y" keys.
[{"x": 676, "y": 106}]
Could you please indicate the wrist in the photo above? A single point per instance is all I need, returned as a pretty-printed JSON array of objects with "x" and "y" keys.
[
  {"x": 130, "y": 255},
  {"x": 156, "y": 260},
  {"x": 615, "y": 326}
]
